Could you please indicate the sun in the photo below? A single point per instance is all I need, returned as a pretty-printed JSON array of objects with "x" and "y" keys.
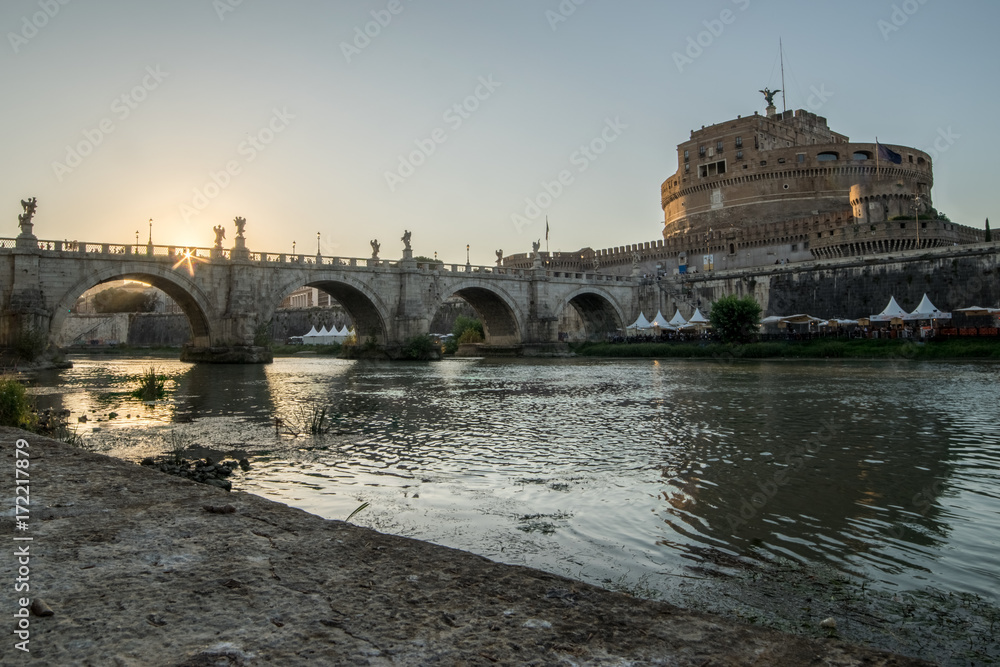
[{"x": 188, "y": 258}]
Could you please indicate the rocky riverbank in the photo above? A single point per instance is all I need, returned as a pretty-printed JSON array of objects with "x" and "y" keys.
[{"x": 143, "y": 568}]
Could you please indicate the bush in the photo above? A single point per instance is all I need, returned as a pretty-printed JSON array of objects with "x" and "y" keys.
[
  {"x": 420, "y": 348},
  {"x": 735, "y": 319},
  {"x": 470, "y": 336},
  {"x": 15, "y": 407},
  {"x": 30, "y": 344}
]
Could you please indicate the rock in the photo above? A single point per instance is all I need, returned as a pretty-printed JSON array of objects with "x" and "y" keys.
[
  {"x": 82, "y": 418},
  {"x": 244, "y": 465},
  {"x": 828, "y": 623},
  {"x": 219, "y": 509},
  {"x": 148, "y": 461},
  {"x": 40, "y": 608}
]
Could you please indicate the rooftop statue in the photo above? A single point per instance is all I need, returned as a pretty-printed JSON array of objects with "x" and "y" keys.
[
  {"x": 375, "y": 247},
  {"x": 406, "y": 239},
  {"x": 29, "y": 206},
  {"x": 535, "y": 245},
  {"x": 769, "y": 95},
  {"x": 499, "y": 257},
  {"x": 240, "y": 224}
]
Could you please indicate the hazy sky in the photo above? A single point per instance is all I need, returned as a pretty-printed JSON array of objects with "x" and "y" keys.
[{"x": 448, "y": 116}]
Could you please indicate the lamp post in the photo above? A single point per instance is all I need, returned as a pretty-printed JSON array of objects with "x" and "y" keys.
[
  {"x": 137, "y": 237},
  {"x": 317, "y": 244},
  {"x": 150, "y": 231},
  {"x": 293, "y": 247},
  {"x": 467, "y": 254}
]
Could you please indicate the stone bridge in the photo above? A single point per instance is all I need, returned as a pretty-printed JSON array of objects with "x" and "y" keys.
[{"x": 229, "y": 295}]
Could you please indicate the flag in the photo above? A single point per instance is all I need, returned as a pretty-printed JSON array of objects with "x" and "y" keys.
[
  {"x": 546, "y": 229},
  {"x": 885, "y": 153}
]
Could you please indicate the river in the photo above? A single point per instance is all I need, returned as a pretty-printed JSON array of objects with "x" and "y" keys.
[{"x": 697, "y": 482}]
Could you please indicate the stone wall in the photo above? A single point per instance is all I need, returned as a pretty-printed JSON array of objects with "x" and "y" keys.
[{"x": 951, "y": 277}]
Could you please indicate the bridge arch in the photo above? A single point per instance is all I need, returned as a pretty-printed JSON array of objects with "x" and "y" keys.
[
  {"x": 363, "y": 305},
  {"x": 178, "y": 286},
  {"x": 601, "y": 313},
  {"x": 503, "y": 321}
]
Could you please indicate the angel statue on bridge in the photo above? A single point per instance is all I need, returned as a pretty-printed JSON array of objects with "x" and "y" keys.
[
  {"x": 24, "y": 219},
  {"x": 240, "y": 224},
  {"x": 375, "y": 247},
  {"x": 406, "y": 239},
  {"x": 220, "y": 233},
  {"x": 499, "y": 257}
]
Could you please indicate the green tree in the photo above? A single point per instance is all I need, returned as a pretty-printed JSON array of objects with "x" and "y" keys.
[
  {"x": 118, "y": 300},
  {"x": 15, "y": 407},
  {"x": 465, "y": 330},
  {"x": 989, "y": 234},
  {"x": 736, "y": 319}
]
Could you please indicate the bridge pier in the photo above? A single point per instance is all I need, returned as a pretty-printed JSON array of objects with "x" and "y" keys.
[{"x": 227, "y": 354}]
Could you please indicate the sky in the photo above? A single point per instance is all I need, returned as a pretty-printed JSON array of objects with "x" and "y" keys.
[{"x": 464, "y": 122}]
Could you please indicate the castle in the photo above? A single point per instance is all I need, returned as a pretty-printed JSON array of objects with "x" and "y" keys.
[{"x": 776, "y": 189}]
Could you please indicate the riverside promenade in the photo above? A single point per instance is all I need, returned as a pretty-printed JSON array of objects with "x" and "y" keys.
[{"x": 144, "y": 569}]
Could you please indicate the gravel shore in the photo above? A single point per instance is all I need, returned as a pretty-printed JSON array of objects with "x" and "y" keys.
[{"x": 144, "y": 568}]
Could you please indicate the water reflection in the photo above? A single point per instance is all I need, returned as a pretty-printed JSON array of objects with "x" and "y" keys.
[{"x": 605, "y": 469}]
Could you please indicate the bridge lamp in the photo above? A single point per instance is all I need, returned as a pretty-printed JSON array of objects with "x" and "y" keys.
[
  {"x": 317, "y": 243},
  {"x": 293, "y": 247},
  {"x": 466, "y": 253},
  {"x": 150, "y": 231},
  {"x": 137, "y": 237}
]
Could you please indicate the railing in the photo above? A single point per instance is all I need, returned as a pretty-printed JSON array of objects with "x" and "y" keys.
[{"x": 172, "y": 253}]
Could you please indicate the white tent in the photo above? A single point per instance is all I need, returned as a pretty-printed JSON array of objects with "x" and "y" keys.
[
  {"x": 678, "y": 320},
  {"x": 641, "y": 323},
  {"x": 661, "y": 322},
  {"x": 927, "y": 311},
  {"x": 698, "y": 318},
  {"x": 892, "y": 311},
  {"x": 771, "y": 319}
]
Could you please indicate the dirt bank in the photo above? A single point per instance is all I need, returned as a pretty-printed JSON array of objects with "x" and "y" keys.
[{"x": 138, "y": 572}]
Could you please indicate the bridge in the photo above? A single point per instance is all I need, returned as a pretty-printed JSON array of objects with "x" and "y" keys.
[{"x": 230, "y": 295}]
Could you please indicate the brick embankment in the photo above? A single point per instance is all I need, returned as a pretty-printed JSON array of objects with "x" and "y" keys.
[{"x": 138, "y": 572}]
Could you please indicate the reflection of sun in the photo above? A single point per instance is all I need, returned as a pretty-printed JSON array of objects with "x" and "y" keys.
[{"x": 188, "y": 258}]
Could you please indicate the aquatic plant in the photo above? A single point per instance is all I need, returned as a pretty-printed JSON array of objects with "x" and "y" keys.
[{"x": 150, "y": 385}]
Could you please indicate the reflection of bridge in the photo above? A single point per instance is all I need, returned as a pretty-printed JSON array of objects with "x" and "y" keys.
[{"x": 228, "y": 295}]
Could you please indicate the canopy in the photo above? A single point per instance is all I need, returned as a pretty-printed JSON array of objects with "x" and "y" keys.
[
  {"x": 801, "y": 318},
  {"x": 678, "y": 320},
  {"x": 976, "y": 310},
  {"x": 771, "y": 319},
  {"x": 641, "y": 323},
  {"x": 893, "y": 311},
  {"x": 927, "y": 311},
  {"x": 698, "y": 318},
  {"x": 343, "y": 332},
  {"x": 312, "y": 332},
  {"x": 323, "y": 331},
  {"x": 660, "y": 321}
]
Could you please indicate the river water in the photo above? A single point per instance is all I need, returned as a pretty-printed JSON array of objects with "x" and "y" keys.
[{"x": 639, "y": 475}]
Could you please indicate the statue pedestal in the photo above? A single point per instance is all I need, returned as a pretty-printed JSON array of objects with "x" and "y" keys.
[
  {"x": 407, "y": 253},
  {"x": 26, "y": 239},
  {"x": 239, "y": 250},
  {"x": 373, "y": 262}
]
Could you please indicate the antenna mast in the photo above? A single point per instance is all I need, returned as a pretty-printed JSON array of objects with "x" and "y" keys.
[{"x": 781, "y": 53}]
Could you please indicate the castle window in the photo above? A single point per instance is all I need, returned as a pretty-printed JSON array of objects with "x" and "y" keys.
[
  {"x": 739, "y": 155},
  {"x": 739, "y": 142},
  {"x": 902, "y": 225},
  {"x": 687, "y": 155},
  {"x": 828, "y": 156},
  {"x": 800, "y": 157},
  {"x": 920, "y": 160},
  {"x": 795, "y": 247},
  {"x": 861, "y": 155},
  {"x": 763, "y": 163},
  {"x": 781, "y": 160},
  {"x": 701, "y": 151},
  {"x": 719, "y": 147},
  {"x": 911, "y": 158},
  {"x": 687, "y": 168}
]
